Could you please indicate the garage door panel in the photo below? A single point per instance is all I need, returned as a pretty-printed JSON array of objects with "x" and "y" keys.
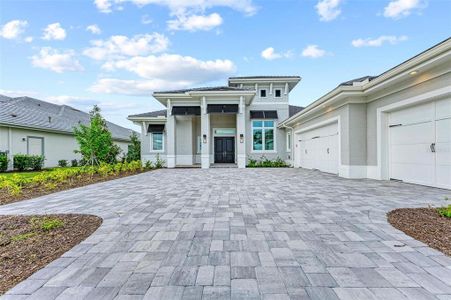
[
  {"x": 443, "y": 176},
  {"x": 414, "y": 173},
  {"x": 443, "y": 131},
  {"x": 418, "y": 154},
  {"x": 319, "y": 148},
  {"x": 443, "y": 154},
  {"x": 416, "y": 114},
  {"x": 412, "y": 134},
  {"x": 443, "y": 109}
]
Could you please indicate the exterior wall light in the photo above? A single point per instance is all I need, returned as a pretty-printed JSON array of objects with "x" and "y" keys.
[
  {"x": 241, "y": 138},
  {"x": 204, "y": 137}
]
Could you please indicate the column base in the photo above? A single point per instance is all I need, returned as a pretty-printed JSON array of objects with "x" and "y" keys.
[
  {"x": 205, "y": 161},
  {"x": 170, "y": 161}
]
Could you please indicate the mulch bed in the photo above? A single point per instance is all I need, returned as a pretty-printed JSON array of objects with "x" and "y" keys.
[
  {"x": 425, "y": 225},
  {"x": 26, "y": 247},
  {"x": 33, "y": 192}
]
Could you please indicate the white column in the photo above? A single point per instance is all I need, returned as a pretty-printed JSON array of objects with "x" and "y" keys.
[
  {"x": 241, "y": 131},
  {"x": 205, "y": 134},
  {"x": 170, "y": 137}
]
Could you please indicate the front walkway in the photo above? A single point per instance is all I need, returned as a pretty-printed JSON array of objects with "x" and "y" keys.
[{"x": 240, "y": 233}]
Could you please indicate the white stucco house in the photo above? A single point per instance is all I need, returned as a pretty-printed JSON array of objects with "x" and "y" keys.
[
  {"x": 35, "y": 127},
  {"x": 220, "y": 125},
  {"x": 396, "y": 125}
]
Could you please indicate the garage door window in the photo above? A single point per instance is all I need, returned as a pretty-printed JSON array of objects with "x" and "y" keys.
[{"x": 262, "y": 135}]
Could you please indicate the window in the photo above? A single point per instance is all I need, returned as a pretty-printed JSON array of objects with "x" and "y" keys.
[
  {"x": 263, "y": 93},
  {"x": 157, "y": 141},
  {"x": 288, "y": 141},
  {"x": 263, "y": 135},
  {"x": 277, "y": 93},
  {"x": 199, "y": 144}
]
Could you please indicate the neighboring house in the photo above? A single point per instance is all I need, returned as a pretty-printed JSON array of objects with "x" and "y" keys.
[
  {"x": 220, "y": 125},
  {"x": 393, "y": 126},
  {"x": 31, "y": 126}
]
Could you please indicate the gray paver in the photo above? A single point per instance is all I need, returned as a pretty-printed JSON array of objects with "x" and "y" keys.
[{"x": 234, "y": 233}]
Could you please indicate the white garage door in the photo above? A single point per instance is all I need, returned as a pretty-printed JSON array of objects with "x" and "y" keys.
[
  {"x": 420, "y": 144},
  {"x": 318, "y": 149}
]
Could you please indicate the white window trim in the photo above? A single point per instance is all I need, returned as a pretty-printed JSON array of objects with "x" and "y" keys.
[
  {"x": 276, "y": 93},
  {"x": 288, "y": 142},
  {"x": 266, "y": 92},
  {"x": 263, "y": 136},
  {"x": 151, "y": 143}
]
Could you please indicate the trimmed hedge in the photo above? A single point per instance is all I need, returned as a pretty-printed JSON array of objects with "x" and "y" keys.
[
  {"x": 24, "y": 162},
  {"x": 267, "y": 163},
  {"x": 3, "y": 162}
]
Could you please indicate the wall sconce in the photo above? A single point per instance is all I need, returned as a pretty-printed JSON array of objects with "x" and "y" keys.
[
  {"x": 24, "y": 139},
  {"x": 204, "y": 137},
  {"x": 241, "y": 138}
]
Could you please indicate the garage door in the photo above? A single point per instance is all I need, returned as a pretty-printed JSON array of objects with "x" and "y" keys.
[
  {"x": 420, "y": 144},
  {"x": 318, "y": 149}
]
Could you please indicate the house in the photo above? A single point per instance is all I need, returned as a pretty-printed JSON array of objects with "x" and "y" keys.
[
  {"x": 35, "y": 127},
  {"x": 220, "y": 125},
  {"x": 393, "y": 126}
]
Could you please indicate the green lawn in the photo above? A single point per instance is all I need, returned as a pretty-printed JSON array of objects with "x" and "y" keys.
[{"x": 29, "y": 174}]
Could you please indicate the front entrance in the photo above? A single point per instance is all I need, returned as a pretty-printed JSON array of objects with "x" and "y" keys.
[{"x": 224, "y": 150}]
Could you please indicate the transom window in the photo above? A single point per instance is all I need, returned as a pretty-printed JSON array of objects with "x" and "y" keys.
[
  {"x": 263, "y": 135},
  {"x": 263, "y": 93},
  {"x": 157, "y": 141}
]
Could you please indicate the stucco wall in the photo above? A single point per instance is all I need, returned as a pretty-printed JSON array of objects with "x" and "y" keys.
[{"x": 56, "y": 146}]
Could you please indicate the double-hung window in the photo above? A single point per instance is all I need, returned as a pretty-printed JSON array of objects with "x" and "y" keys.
[
  {"x": 157, "y": 141},
  {"x": 263, "y": 135}
]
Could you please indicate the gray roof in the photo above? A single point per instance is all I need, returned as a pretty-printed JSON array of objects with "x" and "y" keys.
[
  {"x": 38, "y": 114},
  {"x": 360, "y": 79},
  {"x": 264, "y": 77},
  {"x": 152, "y": 114},
  {"x": 205, "y": 89},
  {"x": 292, "y": 109}
]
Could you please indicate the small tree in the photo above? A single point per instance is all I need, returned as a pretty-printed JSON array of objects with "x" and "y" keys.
[
  {"x": 134, "y": 149},
  {"x": 95, "y": 140}
]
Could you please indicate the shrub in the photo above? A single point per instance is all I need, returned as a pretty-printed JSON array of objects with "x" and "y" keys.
[
  {"x": 159, "y": 163},
  {"x": 3, "y": 162},
  {"x": 148, "y": 165},
  {"x": 267, "y": 163},
  {"x": 445, "y": 211},
  {"x": 62, "y": 163},
  {"x": 36, "y": 162},
  {"x": 21, "y": 162},
  {"x": 74, "y": 163},
  {"x": 24, "y": 162},
  {"x": 134, "y": 149}
]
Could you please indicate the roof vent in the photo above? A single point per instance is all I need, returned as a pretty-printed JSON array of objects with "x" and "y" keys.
[{"x": 13, "y": 115}]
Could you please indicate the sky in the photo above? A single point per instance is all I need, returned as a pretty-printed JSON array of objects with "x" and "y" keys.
[{"x": 115, "y": 53}]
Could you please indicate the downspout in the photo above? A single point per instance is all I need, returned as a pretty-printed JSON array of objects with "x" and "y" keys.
[{"x": 10, "y": 149}]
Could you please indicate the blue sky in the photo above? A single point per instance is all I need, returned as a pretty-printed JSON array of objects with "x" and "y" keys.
[{"x": 116, "y": 52}]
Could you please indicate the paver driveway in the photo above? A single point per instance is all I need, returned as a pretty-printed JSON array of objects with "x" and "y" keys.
[{"x": 230, "y": 233}]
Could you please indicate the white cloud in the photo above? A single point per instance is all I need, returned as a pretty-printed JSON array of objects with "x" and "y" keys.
[
  {"x": 174, "y": 67},
  {"x": 13, "y": 29},
  {"x": 28, "y": 39},
  {"x": 118, "y": 46},
  {"x": 56, "y": 60},
  {"x": 103, "y": 5},
  {"x": 54, "y": 31},
  {"x": 195, "y": 22},
  {"x": 271, "y": 54},
  {"x": 94, "y": 29},
  {"x": 377, "y": 42},
  {"x": 167, "y": 71},
  {"x": 178, "y": 7},
  {"x": 145, "y": 19},
  {"x": 18, "y": 93},
  {"x": 328, "y": 10},
  {"x": 87, "y": 103},
  {"x": 313, "y": 51},
  {"x": 402, "y": 8}
]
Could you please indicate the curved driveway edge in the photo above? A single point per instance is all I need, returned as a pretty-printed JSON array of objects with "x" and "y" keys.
[{"x": 240, "y": 234}]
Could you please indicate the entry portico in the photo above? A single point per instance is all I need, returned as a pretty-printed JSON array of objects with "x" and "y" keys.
[{"x": 219, "y": 125}]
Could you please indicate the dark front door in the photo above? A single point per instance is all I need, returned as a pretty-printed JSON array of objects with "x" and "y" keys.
[{"x": 224, "y": 149}]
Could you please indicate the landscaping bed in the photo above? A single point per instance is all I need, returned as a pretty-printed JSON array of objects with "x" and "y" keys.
[
  {"x": 28, "y": 243},
  {"x": 16, "y": 187},
  {"x": 425, "y": 225}
]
